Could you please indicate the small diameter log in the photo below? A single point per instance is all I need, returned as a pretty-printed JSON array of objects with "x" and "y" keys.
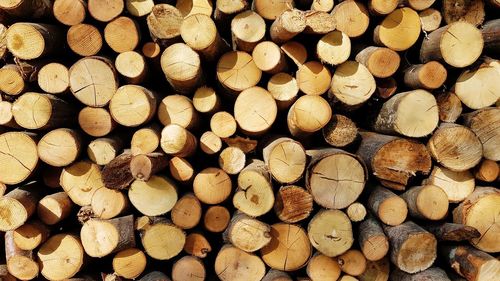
[
  {"x": 430, "y": 19},
  {"x": 232, "y": 160},
  {"x": 323, "y": 268},
  {"x": 470, "y": 263},
  {"x": 29, "y": 41},
  {"x": 411, "y": 114},
  {"x": 293, "y": 204},
  {"x": 381, "y": 62},
  {"x": 18, "y": 157},
  {"x": 178, "y": 109},
  {"x": 478, "y": 80},
  {"x": 352, "y": 84},
  {"x": 271, "y": 10},
  {"x": 313, "y": 78},
  {"x": 276, "y": 275},
  {"x": 453, "y": 231},
  {"x": 431, "y": 75},
  {"x": 459, "y": 44},
  {"x": 145, "y": 140},
  {"x": 254, "y": 196},
  {"x": 247, "y": 29},
  {"x": 322, "y": 5},
  {"x": 180, "y": 169},
  {"x": 484, "y": 123},
  {"x": 382, "y": 7},
  {"x": 53, "y": 78},
  {"x": 376, "y": 270},
  {"x": 450, "y": 107},
  {"x": 41, "y": 111},
  {"x": 54, "y": 208},
  {"x": 223, "y": 124},
  {"x": 61, "y": 257},
  {"x": 330, "y": 232},
  {"x": 150, "y": 229},
  {"x": 20, "y": 263},
  {"x": 236, "y": 71},
  {"x": 155, "y": 275},
  {"x": 182, "y": 68},
  {"x": 80, "y": 181},
  {"x": 285, "y": 159},
  {"x": 193, "y": 7},
  {"x": 60, "y": 147},
  {"x": 108, "y": 203},
  {"x": 177, "y": 141},
  {"x": 289, "y": 248},
  {"x": 122, "y": 34},
  {"x": 18, "y": 205},
  {"x": 335, "y": 177},
  {"x": 352, "y": 262},
  {"x": 487, "y": 171},
  {"x": 426, "y": 202},
  {"x": 255, "y": 111},
  {"x": 212, "y": 186},
  {"x": 132, "y": 67},
  {"x": 456, "y": 185},
  {"x": 164, "y": 23},
  {"x": 186, "y": 212},
  {"x": 210, "y": 143},
  {"x": 284, "y": 89},
  {"x": 248, "y": 234},
  {"x": 6, "y": 117},
  {"x": 481, "y": 211},
  {"x": 96, "y": 122},
  {"x": 356, "y": 212},
  {"x": 232, "y": 263},
  {"x": 197, "y": 245},
  {"x": 418, "y": 5},
  {"x": 154, "y": 197},
  {"x": 295, "y": 51},
  {"x": 188, "y": 268},
  {"x": 468, "y": 11},
  {"x": 340, "y": 131},
  {"x": 143, "y": 166},
  {"x": 351, "y": 17},
  {"x": 216, "y": 219},
  {"x": 104, "y": 150},
  {"x": 105, "y": 11},
  {"x": 433, "y": 273},
  {"x": 387, "y": 206},
  {"x": 12, "y": 80},
  {"x": 133, "y": 105},
  {"x": 200, "y": 33},
  {"x": 69, "y": 12},
  {"x": 93, "y": 81},
  {"x": 399, "y": 30},
  {"x": 455, "y": 147},
  {"x": 84, "y": 39},
  {"x": 287, "y": 25},
  {"x": 307, "y": 115},
  {"x": 372, "y": 240},
  {"x": 129, "y": 263},
  {"x": 226, "y": 9},
  {"x": 206, "y": 100},
  {"x": 269, "y": 57},
  {"x": 319, "y": 23},
  {"x": 27, "y": 9},
  {"x": 30, "y": 235},
  {"x": 103, "y": 237}
]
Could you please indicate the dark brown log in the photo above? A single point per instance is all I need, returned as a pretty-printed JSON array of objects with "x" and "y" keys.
[
  {"x": 452, "y": 231},
  {"x": 470, "y": 263},
  {"x": 116, "y": 174}
]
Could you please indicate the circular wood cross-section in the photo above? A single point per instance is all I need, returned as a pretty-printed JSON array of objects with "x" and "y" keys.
[{"x": 237, "y": 71}]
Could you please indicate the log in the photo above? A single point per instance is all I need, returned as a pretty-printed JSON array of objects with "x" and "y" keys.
[
  {"x": 247, "y": 29},
  {"x": 269, "y": 57},
  {"x": 433, "y": 273},
  {"x": 30, "y": 235},
  {"x": 155, "y": 276},
  {"x": 470, "y": 263},
  {"x": 27, "y": 9},
  {"x": 351, "y": 18},
  {"x": 313, "y": 78},
  {"x": 284, "y": 89},
  {"x": 490, "y": 31},
  {"x": 108, "y": 203},
  {"x": 193, "y": 7},
  {"x": 84, "y": 39},
  {"x": 322, "y": 5},
  {"x": 340, "y": 131},
  {"x": 255, "y": 111},
  {"x": 452, "y": 231},
  {"x": 116, "y": 174},
  {"x": 467, "y": 11},
  {"x": 160, "y": 249},
  {"x": 129, "y": 263},
  {"x": 430, "y": 75},
  {"x": 356, "y": 212},
  {"x": 286, "y": 159},
  {"x": 105, "y": 11},
  {"x": 234, "y": 65},
  {"x": 287, "y": 25},
  {"x": 104, "y": 150},
  {"x": 54, "y": 208},
  {"x": 210, "y": 143},
  {"x": 456, "y": 185},
  {"x": 487, "y": 171},
  {"x": 319, "y": 23},
  {"x": 223, "y": 124},
  {"x": 323, "y": 268},
  {"x": 276, "y": 275},
  {"x": 18, "y": 157},
  {"x": 234, "y": 264},
  {"x": 216, "y": 219},
  {"x": 426, "y": 202},
  {"x": 232, "y": 160},
  {"x": 254, "y": 195},
  {"x": 18, "y": 205},
  {"x": 32, "y": 40},
  {"x": 53, "y": 78},
  {"x": 164, "y": 24},
  {"x": 212, "y": 186},
  {"x": 225, "y": 10},
  {"x": 293, "y": 204},
  {"x": 352, "y": 262},
  {"x": 180, "y": 169},
  {"x": 248, "y": 234},
  {"x": 186, "y": 212},
  {"x": 197, "y": 245},
  {"x": 12, "y": 80},
  {"x": 330, "y": 232},
  {"x": 177, "y": 141},
  {"x": 129, "y": 114},
  {"x": 381, "y": 62},
  {"x": 178, "y": 109},
  {"x": 387, "y": 206},
  {"x": 61, "y": 257},
  {"x": 480, "y": 210},
  {"x": 143, "y": 166},
  {"x": 382, "y": 7},
  {"x": 188, "y": 268},
  {"x": 295, "y": 51},
  {"x": 418, "y": 5},
  {"x": 430, "y": 19},
  {"x": 80, "y": 181},
  {"x": 449, "y": 107},
  {"x": 206, "y": 100},
  {"x": 6, "y": 117},
  {"x": 96, "y": 122},
  {"x": 307, "y": 115},
  {"x": 352, "y": 84},
  {"x": 334, "y": 48},
  {"x": 376, "y": 270},
  {"x": 139, "y": 8},
  {"x": 483, "y": 123},
  {"x": 20, "y": 263},
  {"x": 285, "y": 252},
  {"x": 372, "y": 240},
  {"x": 200, "y": 33},
  {"x": 182, "y": 67},
  {"x": 132, "y": 67},
  {"x": 335, "y": 178},
  {"x": 69, "y": 12},
  {"x": 103, "y": 237},
  {"x": 271, "y": 10},
  {"x": 399, "y": 30},
  {"x": 60, "y": 147},
  {"x": 154, "y": 197}
]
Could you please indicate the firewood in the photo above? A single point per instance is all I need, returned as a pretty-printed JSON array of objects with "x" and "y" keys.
[
  {"x": 32, "y": 40},
  {"x": 180, "y": 169},
  {"x": 269, "y": 57},
  {"x": 487, "y": 171},
  {"x": 139, "y": 8},
  {"x": 352, "y": 84},
  {"x": 210, "y": 143},
  {"x": 80, "y": 181},
  {"x": 356, "y": 212},
  {"x": 271, "y": 10},
  {"x": 20, "y": 263},
  {"x": 450, "y": 107},
  {"x": 340, "y": 131},
  {"x": 223, "y": 124},
  {"x": 155, "y": 276},
  {"x": 234, "y": 264},
  {"x": 382, "y": 7},
  {"x": 96, "y": 122},
  {"x": 418, "y": 5},
  {"x": 108, "y": 203},
  {"x": 234, "y": 65},
  {"x": 60, "y": 147},
  {"x": 182, "y": 67},
  {"x": 376, "y": 270},
  {"x": 18, "y": 205},
  {"x": 323, "y": 268},
  {"x": 477, "y": 79},
  {"x": 27, "y": 8},
  {"x": 346, "y": 277},
  {"x": 247, "y": 234},
  {"x": 456, "y": 185},
  {"x": 426, "y": 202},
  {"x": 6, "y": 116},
  {"x": 200, "y": 33},
  {"x": 468, "y": 11},
  {"x": 12, "y": 81},
  {"x": 490, "y": 32},
  {"x": 319, "y": 23},
  {"x": 352, "y": 262},
  {"x": 433, "y": 273},
  {"x": 287, "y": 25},
  {"x": 285, "y": 159},
  {"x": 322, "y": 5},
  {"x": 372, "y": 240},
  {"x": 161, "y": 249},
  {"x": 53, "y": 78},
  {"x": 452, "y": 231},
  {"x": 103, "y": 150},
  {"x": 54, "y": 208},
  {"x": 143, "y": 166},
  {"x": 284, "y": 89},
  {"x": 216, "y": 219},
  {"x": 186, "y": 212},
  {"x": 276, "y": 275},
  {"x": 197, "y": 245},
  {"x": 212, "y": 186},
  {"x": 226, "y": 9},
  {"x": 293, "y": 204},
  {"x": 133, "y": 114},
  {"x": 470, "y": 263},
  {"x": 232, "y": 160},
  {"x": 30, "y": 235},
  {"x": 381, "y": 62},
  {"x": 61, "y": 257},
  {"x": 431, "y": 75},
  {"x": 129, "y": 263},
  {"x": 194, "y": 7},
  {"x": 69, "y": 12},
  {"x": 399, "y": 30},
  {"x": 483, "y": 123},
  {"x": 330, "y": 232},
  {"x": 313, "y": 78},
  {"x": 105, "y": 11},
  {"x": 154, "y": 197},
  {"x": 307, "y": 115},
  {"x": 334, "y": 48},
  {"x": 145, "y": 140},
  {"x": 255, "y": 111},
  {"x": 132, "y": 67},
  {"x": 188, "y": 268},
  {"x": 351, "y": 18},
  {"x": 178, "y": 109},
  {"x": 295, "y": 51},
  {"x": 206, "y": 100},
  {"x": 247, "y": 29},
  {"x": 387, "y": 206},
  {"x": 164, "y": 23},
  {"x": 84, "y": 39},
  {"x": 177, "y": 141},
  {"x": 430, "y": 19}
]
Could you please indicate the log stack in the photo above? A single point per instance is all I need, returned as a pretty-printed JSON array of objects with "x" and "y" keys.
[{"x": 243, "y": 140}]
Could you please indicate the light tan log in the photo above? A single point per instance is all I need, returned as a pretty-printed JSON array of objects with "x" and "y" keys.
[
  {"x": 381, "y": 62},
  {"x": 387, "y": 206},
  {"x": 430, "y": 19},
  {"x": 182, "y": 67},
  {"x": 270, "y": 10},
  {"x": 145, "y": 140},
  {"x": 340, "y": 131},
  {"x": 322, "y": 268},
  {"x": 61, "y": 257},
  {"x": 254, "y": 196},
  {"x": 334, "y": 48},
  {"x": 313, "y": 78},
  {"x": 6, "y": 117},
  {"x": 84, "y": 39},
  {"x": 428, "y": 202},
  {"x": 200, "y": 33},
  {"x": 210, "y": 143},
  {"x": 216, "y": 219},
  {"x": 237, "y": 71},
  {"x": 18, "y": 205},
  {"x": 232, "y": 160},
  {"x": 478, "y": 80},
  {"x": 108, "y": 203},
  {"x": 287, "y": 25},
  {"x": 53, "y": 78},
  {"x": 80, "y": 181},
  {"x": 186, "y": 212},
  {"x": 12, "y": 80},
  {"x": 161, "y": 249},
  {"x": 399, "y": 30},
  {"x": 295, "y": 51},
  {"x": 307, "y": 115},
  {"x": 247, "y": 29},
  {"x": 247, "y": 234},
  {"x": 480, "y": 210},
  {"x": 487, "y": 171},
  {"x": 178, "y": 109},
  {"x": 30, "y": 235},
  {"x": 351, "y": 17},
  {"x": 378, "y": 152},
  {"x": 103, "y": 237},
  {"x": 154, "y": 197},
  {"x": 105, "y": 11},
  {"x": 69, "y": 12},
  {"x": 139, "y": 8},
  {"x": 103, "y": 150},
  {"x": 96, "y": 122},
  {"x": 233, "y": 264},
  {"x": 129, "y": 263},
  {"x": 376, "y": 270},
  {"x": 456, "y": 185},
  {"x": 352, "y": 84},
  {"x": 31, "y": 40},
  {"x": 255, "y": 111},
  {"x": 293, "y": 204},
  {"x": 223, "y": 124},
  {"x": 455, "y": 147},
  {"x": 143, "y": 166},
  {"x": 212, "y": 186},
  {"x": 330, "y": 232},
  {"x": 225, "y": 10},
  {"x": 133, "y": 105},
  {"x": 269, "y": 58},
  {"x": 284, "y": 89},
  {"x": 197, "y": 245},
  {"x": 54, "y": 208},
  {"x": 93, "y": 81},
  {"x": 472, "y": 12},
  {"x": 450, "y": 107},
  {"x": 322, "y": 5},
  {"x": 60, "y": 147},
  {"x": 178, "y": 141},
  {"x": 132, "y": 67},
  {"x": 319, "y": 23},
  {"x": 181, "y": 169},
  {"x": 20, "y": 263},
  {"x": 430, "y": 75},
  {"x": 356, "y": 212},
  {"x": 335, "y": 177},
  {"x": 484, "y": 124},
  {"x": 193, "y": 7},
  {"x": 382, "y": 7},
  {"x": 206, "y": 100},
  {"x": 418, "y": 5},
  {"x": 352, "y": 262},
  {"x": 188, "y": 268},
  {"x": 285, "y": 159},
  {"x": 473, "y": 264},
  {"x": 27, "y": 9},
  {"x": 372, "y": 240},
  {"x": 164, "y": 23},
  {"x": 289, "y": 248}
]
